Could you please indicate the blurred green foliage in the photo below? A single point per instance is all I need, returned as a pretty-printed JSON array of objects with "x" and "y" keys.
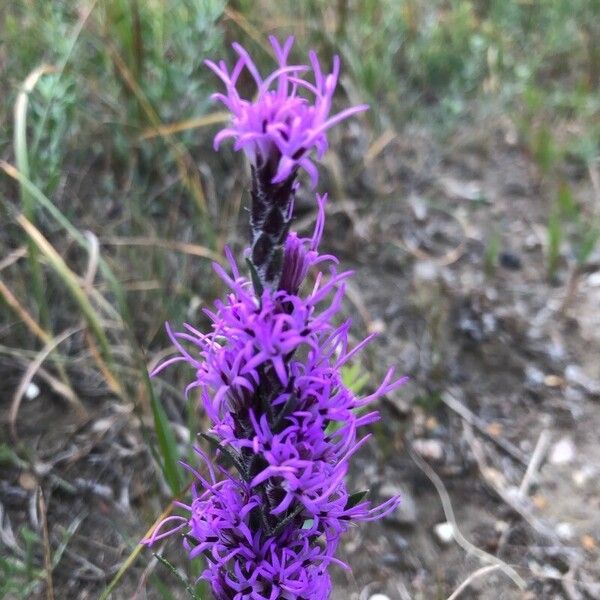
[{"x": 20, "y": 575}]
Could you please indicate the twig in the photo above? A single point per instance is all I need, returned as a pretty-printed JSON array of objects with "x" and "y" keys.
[
  {"x": 175, "y": 246},
  {"x": 515, "y": 501},
  {"x": 193, "y": 123},
  {"x": 465, "y": 544},
  {"x": 472, "y": 419},
  {"x": 467, "y": 582},
  {"x": 377, "y": 147},
  {"x": 402, "y": 591},
  {"x": 536, "y": 460},
  {"x": 571, "y": 291},
  {"x": 46, "y": 543},
  {"x": 568, "y": 583},
  {"x": 13, "y": 257}
]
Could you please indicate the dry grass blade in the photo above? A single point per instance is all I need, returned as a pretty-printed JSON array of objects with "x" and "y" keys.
[
  {"x": 46, "y": 544},
  {"x": 463, "y": 542},
  {"x": 536, "y": 460},
  {"x": 22, "y": 160},
  {"x": 58, "y": 387},
  {"x": 166, "y": 440},
  {"x": 191, "y": 249},
  {"x": 379, "y": 145},
  {"x": 195, "y": 123},
  {"x": 353, "y": 294},
  {"x": 72, "y": 282},
  {"x": 594, "y": 171},
  {"x": 29, "y": 375},
  {"x": 136, "y": 551},
  {"x": 13, "y": 257},
  {"x": 92, "y": 268},
  {"x": 472, "y": 419},
  {"x": 252, "y": 32},
  {"x": 110, "y": 379},
  {"x": 411, "y": 245},
  {"x": 515, "y": 501},
  {"x": 469, "y": 580},
  {"x": 22, "y": 313},
  {"x": 61, "y": 387}
]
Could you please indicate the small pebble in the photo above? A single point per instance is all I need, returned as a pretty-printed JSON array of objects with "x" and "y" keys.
[
  {"x": 509, "y": 260},
  {"x": 565, "y": 531},
  {"x": 377, "y": 326},
  {"x": 419, "y": 208},
  {"x": 444, "y": 532},
  {"x": 501, "y": 526},
  {"x": 563, "y": 452},
  {"x": 583, "y": 475},
  {"x": 379, "y": 597},
  {"x": 425, "y": 270},
  {"x": 593, "y": 280},
  {"x": 534, "y": 377},
  {"x": 429, "y": 449},
  {"x": 32, "y": 391}
]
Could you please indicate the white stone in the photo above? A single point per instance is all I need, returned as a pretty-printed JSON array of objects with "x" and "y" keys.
[
  {"x": 419, "y": 208},
  {"x": 563, "y": 452},
  {"x": 379, "y": 597},
  {"x": 425, "y": 270},
  {"x": 444, "y": 532},
  {"x": 32, "y": 391},
  {"x": 429, "y": 449},
  {"x": 583, "y": 475},
  {"x": 593, "y": 280},
  {"x": 565, "y": 531}
]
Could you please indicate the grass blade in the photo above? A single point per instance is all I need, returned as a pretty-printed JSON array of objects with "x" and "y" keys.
[
  {"x": 31, "y": 324},
  {"x": 71, "y": 280},
  {"x": 28, "y": 207},
  {"x": 194, "y": 123},
  {"x": 139, "y": 547},
  {"x": 166, "y": 439}
]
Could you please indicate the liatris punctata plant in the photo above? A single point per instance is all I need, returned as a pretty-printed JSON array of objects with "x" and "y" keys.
[{"x": 268, "y": 374}]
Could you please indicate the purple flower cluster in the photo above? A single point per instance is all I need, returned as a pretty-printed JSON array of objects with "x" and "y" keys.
[
  {"x": 269, "y": 515},
  {"x": 280, "y": 126}
]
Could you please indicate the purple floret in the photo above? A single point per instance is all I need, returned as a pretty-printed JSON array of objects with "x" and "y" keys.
[{"x": 288, "y": 117}]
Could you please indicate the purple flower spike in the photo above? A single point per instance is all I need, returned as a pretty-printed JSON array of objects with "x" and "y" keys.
[
  {"x": 268, "y": 517},
  {"x": 289, "y": 116}
]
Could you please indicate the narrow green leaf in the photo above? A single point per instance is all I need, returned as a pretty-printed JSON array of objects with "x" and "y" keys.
[
  {"x": 591, "y": 236},
  {"x": 70, "y": 280},
  {"x": 166, "y": 444},
  {"x": 256, "y": 282},
  {"x": 188, "y": 587},
  {"x": 566, "y": 203},
  {"x": 355, "y": 499},
  {"x": 22, "y": 160},
  {"x": 554, "y": 242}
]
